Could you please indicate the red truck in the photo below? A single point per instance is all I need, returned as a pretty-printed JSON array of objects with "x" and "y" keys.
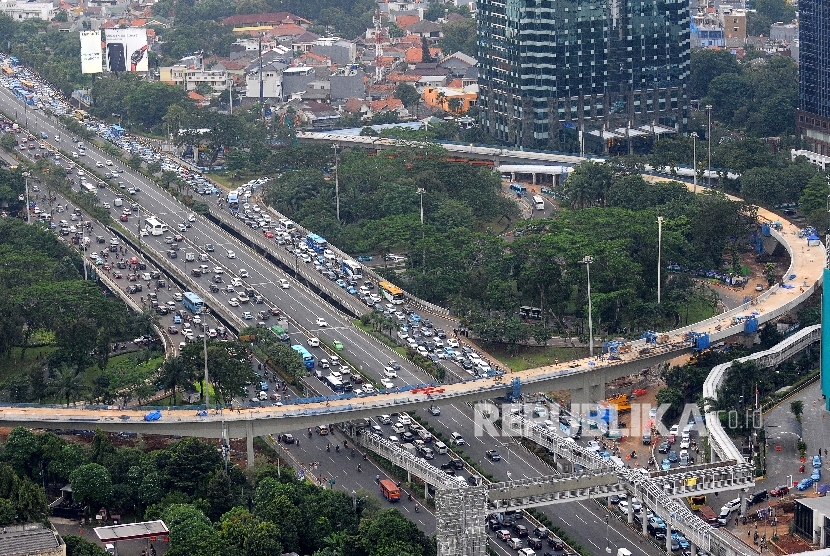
[{"x": 390, "y": 490}]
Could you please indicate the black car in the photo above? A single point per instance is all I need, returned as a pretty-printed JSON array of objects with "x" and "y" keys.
[
  {"x": 541, "y": 533},
  {"x": 407, "y": 437},
  {"x": 493, "y": 455},
  {"x": 664, "y": 447},
  {"x": 759, "y": 496},
  {"x": 449, "y": 469},
  {"x": 556, "y": 543},
  {"x": 520, "y": 530},
  {"x": 535, "y": 544},
  {"x": 458, "y": 463},
  {"x": 673, "y": 457},
  {"x": 172, "y": 254}
]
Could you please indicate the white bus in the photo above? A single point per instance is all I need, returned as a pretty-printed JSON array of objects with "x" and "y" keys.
[
  {"x": 352, "y": 269},
  {"x": 155, "y": 227},
  {"x": 89, "y": 188},
  {"x": 539, "y": 202}
]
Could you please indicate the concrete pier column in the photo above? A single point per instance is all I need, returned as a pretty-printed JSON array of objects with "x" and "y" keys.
[
  {"x": 249, "y": 441},
  {"x": 630, "y": 512},
  {"x": 694, "y": 549},
  {"x": 643, "y": 514}
]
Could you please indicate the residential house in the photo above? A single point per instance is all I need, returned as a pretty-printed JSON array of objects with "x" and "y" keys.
[
  {"x": 388, "y": 104},
  {"x": 445, "y": 97},
  {"x": 295, "y": 80},
  {"x": 269, "y": 81},
  {"x": 318, "y": 115},
  {"x": 259, "y": 20},
  {"x": 190, "y": 77},
  {"x": 348, "y": 82},
  {"x": 458, "y": 63},
  {"x": 425, "y": 29},
  {"x": 19, "y": 10},
  {"x": 304, "y": 42},
  {"x": 340, "y": 52}
]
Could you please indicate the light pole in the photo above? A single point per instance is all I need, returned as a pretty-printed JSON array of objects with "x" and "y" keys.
[
  {"x": 587, "y": 262},
  {"x": 709, "y": 140},
  {"x": 26, "y": 181},
  {"x": 205, "y": 312},
  {"x": 421, "y": 192},
  {"x": 659, "y": 253},
  {"x": 694, "y": 158},
  {"x": 336, "y": 181}
]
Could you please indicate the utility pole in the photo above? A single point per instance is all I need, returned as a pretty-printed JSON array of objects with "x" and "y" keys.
[
  {"x": 709, "y": 140},
  {"x": 336, "y": 180},
  {"x": 659, "y": 253},
  {"x": 694, "y": 158},
  {"x": 587, "y": 262},
  {"x": 26, "y": 181}
]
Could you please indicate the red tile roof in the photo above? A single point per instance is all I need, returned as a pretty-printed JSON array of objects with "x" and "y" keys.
[
  {"x": 404, "y": 21},
  {"x": 275, "y": 18}
]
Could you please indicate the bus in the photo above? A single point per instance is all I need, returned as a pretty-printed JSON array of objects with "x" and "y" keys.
[
  {"x": 518, "y": 189},
  {"x": 334, "y": 383},
  {"x": 317, "y": 243},
  {"x": 538, "y": 202},
  {"x": 391, "y": 292},
  {"x": 233, "y": 200},
  {"x": 192, "y": 302},
  {"x": 281, "y": 335},
  {"x": 571, "y": 427},
  {"x": 7, "y": 71},
  {"x": 308, "y": 359},
  {"x": 155, "y": 227},
  {"x": 696, "y": 502},
  {"x": 89, "y": 188},
  {"x": 352, "y": 269}
]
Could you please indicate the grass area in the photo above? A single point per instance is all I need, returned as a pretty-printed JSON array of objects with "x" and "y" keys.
[
  {"x": 382, "y": 337},
  {"x": 498, "y": 225},
  {"x": 530, "y": 357},
  {"x": 698, "y": 310},
  {"x": 19, "y": 363}
]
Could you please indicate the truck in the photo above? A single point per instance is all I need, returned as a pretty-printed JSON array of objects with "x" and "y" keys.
[
  {"x": 390, "y": 490},
  {"x": 409, "y": 447},
  {"x": 708, "y": 515}
]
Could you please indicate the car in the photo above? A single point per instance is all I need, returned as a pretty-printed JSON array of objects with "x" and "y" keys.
[
  {"x": 172, "y": 330},
  {"x": 233, "y": 302},
  {"x": 243, "y": 273},
  {"x": 501, "y": 534},
  {"x": 389, "y": 372},
  {"x": 268, "y": 234},
  {"x": 247, "y": 315},
  {"x": 284, "y": 284},
  {"x": 816, "y": 476},
  {"x": 664, "y": 447},
  {"x": 457, "y": 439},
  {"x": 191, "y": 218},
  {"x": 780, "y": 490},
  {"x": 816, "y": 461},
  {"x": 99, "y": 164},
  {"x": 673, "y": 457},
  {"x": 493, "y": 455},
  {"x": 288, "y": 438},
  {"x": 681, "y": 540},
  {"x": 124, "y": 218},
  {"x": 556, "y": 543},
  {"x": 178, "y": 237},
  {"x": 665, "y": 465},
  {"x": 337, "y": 345},
  {"x": 231, "y": 255},
  {"x": 805, "y": 483},
  {"x": 209, "y": 247},
  {"x": 218, "y": 270},
  {"x": 321, "y": 322},
  {"x": 387, "y": 383},
  {"x": 434, "y": 410},
  {"x": 733, "y": 504},
  {"x": 395, "y": 365}
]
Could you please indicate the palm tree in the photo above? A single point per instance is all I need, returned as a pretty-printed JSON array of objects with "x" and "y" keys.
[
  {"x": 455, "y": 105},
  {"x": 175, "y": 373},
  {"x": 65, "y": 384},
  {"x": 441, "y": 98}
]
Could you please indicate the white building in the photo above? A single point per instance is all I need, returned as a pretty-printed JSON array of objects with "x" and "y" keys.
[
  {"x": 271, "y": 80},
  {"x": 190, "y": 77},
  {"x": 28, "y": 10}
]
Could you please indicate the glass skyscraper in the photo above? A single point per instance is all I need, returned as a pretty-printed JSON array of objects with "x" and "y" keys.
[
  {"x": 550, "y": 67},
  {"x": 813, "y": 116}
]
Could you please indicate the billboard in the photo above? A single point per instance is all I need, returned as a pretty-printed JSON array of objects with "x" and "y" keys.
[
  {"x": 91, "y": 59},
  {"x": 126, "y": 49}
]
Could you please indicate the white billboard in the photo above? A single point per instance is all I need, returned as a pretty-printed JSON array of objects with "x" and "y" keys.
[
  {"x": 91, "y": 58},
  {"x": 126, "y": 49}
]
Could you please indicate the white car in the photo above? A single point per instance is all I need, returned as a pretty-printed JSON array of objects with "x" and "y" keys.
[
  {"x": 387, "y": 383},
  {"x": 243, "y": 273},
  {"x": 231, "y": 255},
  {"x": 191, "y": 218},
  {"x": 108, "y": 163},
  {"x": 389, "y": 372},
  {"x": 453, "y": 343},
  {"x": 247, "y": 315},
  {"x": 321, "y": 322},
  {"x": 99, "y": 164},
  {"x": 233, "y": 302},
  {"x": 218, "y": 270},
  {"x": 284, "y": 284}
]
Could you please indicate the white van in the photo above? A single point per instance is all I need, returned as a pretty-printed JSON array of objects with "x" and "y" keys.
[
  {"x": 109, "y": 548},
  {"x": 203, "y": 257},
  {"x": 313, "y": 341},
  {"x": 190, "y": 256},
  {"x": 514, "y": 543},
  {"x": 117, "y": 202},
  {"x": 617, "y": 461},
  {"x": 440, "y": 447}
]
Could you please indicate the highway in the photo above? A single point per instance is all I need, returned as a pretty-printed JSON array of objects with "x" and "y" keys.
[{"x": 305, "y": 308}]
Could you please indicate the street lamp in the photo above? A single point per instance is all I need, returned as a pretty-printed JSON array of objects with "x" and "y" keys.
[
  {"x": 587, "y": 262},
  {"x": 694, "y": 158},
  {"x": 659, "y": 253},
  {"x": 336, "y": 181},
  {"x": 709, "y": 140},
  {"x": 26, "y": 176},
  {"x": 205, "y": 312},
  {"x": 421, "y": 192}
]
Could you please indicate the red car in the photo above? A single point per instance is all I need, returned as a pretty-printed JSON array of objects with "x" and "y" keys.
[
  {"x": 117, "y": 275},
  {"x": 780, "y": 490},
  {"x": 124, "y": 218},
  {"x": 178, "y": 237},
  {"x": 172, "y": 330},
  {"x": 269, "y": 234}
]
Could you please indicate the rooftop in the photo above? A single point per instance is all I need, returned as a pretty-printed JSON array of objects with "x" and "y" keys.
[{"x": 29, "y": 540}]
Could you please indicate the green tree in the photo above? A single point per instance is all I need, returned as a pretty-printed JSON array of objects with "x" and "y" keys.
[
  {"x": 22, "y": 451},
  {"x": 264, "y": 540},
  {"x": 459, "y": 36},
  {"x": 706, "y": 65},
  {"x": 31, "y": 502},
  {"x": 8, "y": 141},
  {"x": 407, "y": 94},
  {"x": 797, "y": 408},
  {"x": 91, "y": 485},
  {"x": 135, "y": 161},
  {"x": 769, "y": 273},
  {"x": 79, "y": 546}
]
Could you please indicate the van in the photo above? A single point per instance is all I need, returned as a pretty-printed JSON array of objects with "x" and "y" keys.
[
  {"x": 203, "y": 257},
  {"x": 646, "y": 438},
  {"x": 424, "y": 435},
  {"x": 623, "y": 552},
  {"x": 109, "y": 548},
  {"x": 617, "y": 461},
  {"x": 117, "y": 202},
  {"x": 190, "y": 256},
  {"x": 526, "y": 552},
  {"x": 440, "y": 447},
  {"x": 457, "y": 439},
  {"x": 263, "y": 395},
  {"x": 514, "y": 543}
]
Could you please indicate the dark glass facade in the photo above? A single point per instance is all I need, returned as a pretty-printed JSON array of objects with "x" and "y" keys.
[
  {"x": 813, "y": 116},
  {"x": 551, "y": 65}
]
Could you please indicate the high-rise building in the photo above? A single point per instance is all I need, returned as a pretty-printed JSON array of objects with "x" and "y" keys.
[
  {"x": 813, "y": 117},
  {"x": 551, "y": 68}
]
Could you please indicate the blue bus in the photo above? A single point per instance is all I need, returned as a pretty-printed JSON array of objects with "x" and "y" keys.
[
  {"x": 519, "y": 189},
  {"x": 570, "y": 427},
  {"x": 192, "y": 302},
  {"x": 316, "y": 242},
  {"x": 352, "y": 269},
  {"x": 233, "y": 200},
  {"x": 308, "y": 359}
]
